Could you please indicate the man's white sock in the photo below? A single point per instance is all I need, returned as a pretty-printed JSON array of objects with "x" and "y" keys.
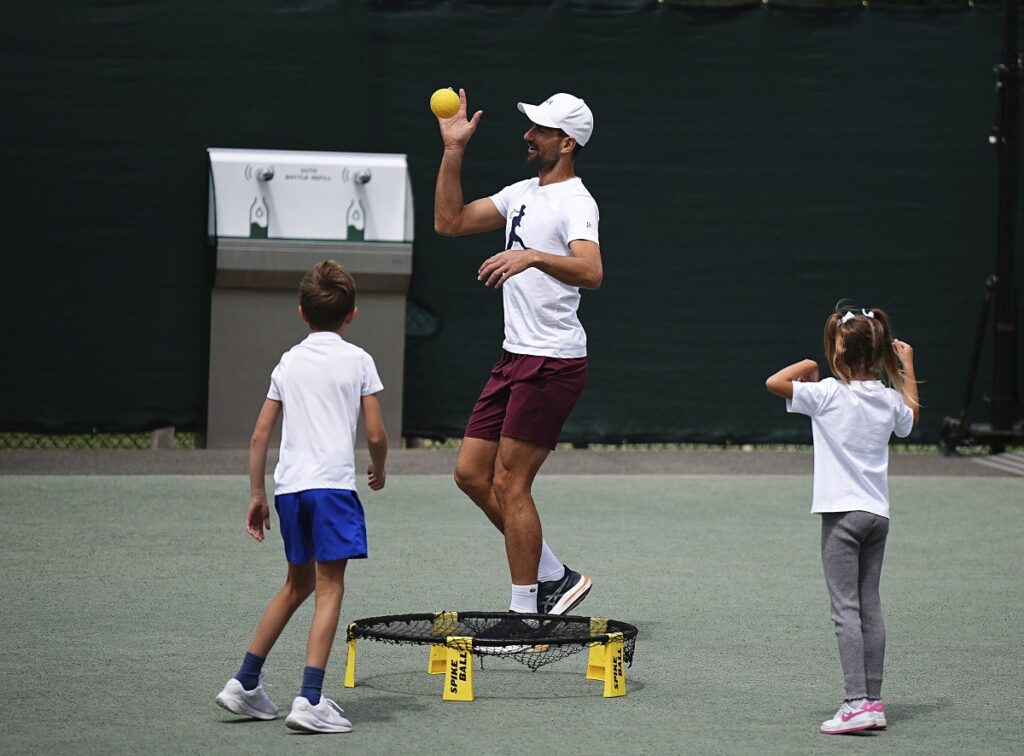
[
  {"x": 550, "y": 567},
  {"x": 524, "y": 599}
]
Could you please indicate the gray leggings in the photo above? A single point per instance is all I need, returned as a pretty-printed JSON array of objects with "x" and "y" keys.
[{"x": 852, "y": 547}]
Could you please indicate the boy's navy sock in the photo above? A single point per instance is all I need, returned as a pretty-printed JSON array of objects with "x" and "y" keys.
[
  {"x": 312, "y": 684},
  {"x": 249, "y": 674}
]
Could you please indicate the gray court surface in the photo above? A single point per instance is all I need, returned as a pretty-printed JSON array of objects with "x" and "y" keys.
[
  {"x": 561, "y": 462},
  {"x": 129, "y": 598}
]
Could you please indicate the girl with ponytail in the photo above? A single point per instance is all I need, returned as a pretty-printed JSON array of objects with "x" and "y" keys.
[{"x": 853, "y": 415}]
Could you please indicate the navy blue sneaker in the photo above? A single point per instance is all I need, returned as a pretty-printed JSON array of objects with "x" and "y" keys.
[
  {"x": 510, "y": 627},
  {"x": 563, "y": 595}
]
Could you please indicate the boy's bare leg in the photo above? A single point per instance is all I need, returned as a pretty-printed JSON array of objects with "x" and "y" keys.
[
  {"x": 474, "y": 475},
  {"x": 516, "y": 465},
  {"x": 330, "y": 589},
  {"x": 299, "y": 584}
]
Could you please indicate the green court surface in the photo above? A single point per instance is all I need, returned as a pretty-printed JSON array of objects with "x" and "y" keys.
[{"x": 128, "y": 601}]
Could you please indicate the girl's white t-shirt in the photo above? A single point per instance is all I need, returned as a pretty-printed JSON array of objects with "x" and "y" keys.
[
  {"x": 851, "y": 424},
  {"x": 320, "y": 383},
  {"x": 540, "y": 310}
]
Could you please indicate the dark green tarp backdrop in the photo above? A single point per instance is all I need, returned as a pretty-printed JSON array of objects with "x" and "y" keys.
[{"x": 752, "y": 167}]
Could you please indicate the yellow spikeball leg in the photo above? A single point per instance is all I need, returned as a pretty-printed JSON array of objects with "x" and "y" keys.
[
  {"x": 437, "y": 664},
  {"x": 597, "y": 655},
  {"x": 615, "y": 668},
  {"x": 445, "y": 623},
  {"x": 458, "y": 681},
  {"x": 444, "y": 103},
  {"x": 350, "y": 665}
]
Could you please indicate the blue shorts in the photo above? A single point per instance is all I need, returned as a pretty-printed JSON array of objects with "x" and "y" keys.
[{"x": 325, "y": 523}]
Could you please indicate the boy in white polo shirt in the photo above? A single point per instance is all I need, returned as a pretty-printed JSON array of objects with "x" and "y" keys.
[{"x": 319, "y": 385}]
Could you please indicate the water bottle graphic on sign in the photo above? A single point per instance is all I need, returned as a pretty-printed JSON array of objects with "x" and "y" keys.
[
  {"x": 356, "y": 221},
  {"x": 259, "y": 219}
]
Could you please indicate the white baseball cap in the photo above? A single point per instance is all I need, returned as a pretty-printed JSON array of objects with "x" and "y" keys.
[{"x": 562, "y": 111}]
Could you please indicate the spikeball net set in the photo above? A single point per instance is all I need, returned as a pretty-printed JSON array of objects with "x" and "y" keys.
[{"x": 531, "y": 639}]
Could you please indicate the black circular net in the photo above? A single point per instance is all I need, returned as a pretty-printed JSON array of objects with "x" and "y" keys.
[{"x": 530, "y": 639}]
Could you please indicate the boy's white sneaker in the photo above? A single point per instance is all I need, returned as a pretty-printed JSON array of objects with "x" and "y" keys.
[
  {"x": 326, "y": 716},
  {"x": 253, "y": 703},
  {"x": 849, "y": 719}
]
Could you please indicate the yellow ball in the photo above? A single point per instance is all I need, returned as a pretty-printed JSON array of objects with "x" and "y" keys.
[{"x": 444, "y": 103}]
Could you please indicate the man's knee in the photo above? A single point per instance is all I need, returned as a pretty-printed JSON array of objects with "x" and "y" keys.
[
  {"x": 509, "y": 486},
  {"x": 471, "y": 481}
]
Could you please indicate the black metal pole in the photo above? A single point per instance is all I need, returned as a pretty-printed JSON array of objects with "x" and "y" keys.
[
  {"x": 1007, "y": 425},
  {"x": 979, "y": 341},
  {"x": 1004, "y": 398}
]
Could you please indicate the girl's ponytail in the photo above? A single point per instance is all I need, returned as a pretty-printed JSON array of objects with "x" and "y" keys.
[
  {"x": 834, "y": 347},
  {"x": 891, "y": 365}
]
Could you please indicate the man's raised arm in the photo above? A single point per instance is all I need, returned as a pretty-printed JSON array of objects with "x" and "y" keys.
[{"x": 451, "y": 216}]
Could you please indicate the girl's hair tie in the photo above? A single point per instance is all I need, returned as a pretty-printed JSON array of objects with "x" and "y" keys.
[{"x": 850, "y": 315}]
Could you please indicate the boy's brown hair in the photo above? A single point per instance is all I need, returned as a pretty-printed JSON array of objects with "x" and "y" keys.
[{"x": 327, "y": 295}]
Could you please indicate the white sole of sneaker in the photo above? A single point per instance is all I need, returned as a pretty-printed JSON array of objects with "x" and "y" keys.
[
  {"x": 573, "y": 598},
  {"x": 846, "y": 730},
  {"x": 234, "y": 707},
  {"x": 500, "y": 650},
  {"x": 293, "y": 724}
]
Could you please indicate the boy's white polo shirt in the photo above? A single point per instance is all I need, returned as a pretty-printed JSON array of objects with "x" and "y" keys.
[
  {"x": 320, "y": 383},
  {"x": 851, "y": 423},
  {"x": 540, "y": 310}
]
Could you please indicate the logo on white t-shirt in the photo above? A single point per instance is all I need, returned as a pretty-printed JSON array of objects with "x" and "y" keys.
[{"x": 513, "y": 235}]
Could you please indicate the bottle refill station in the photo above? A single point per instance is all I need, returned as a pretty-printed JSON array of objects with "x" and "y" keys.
[{"x": 274, "y": 214}]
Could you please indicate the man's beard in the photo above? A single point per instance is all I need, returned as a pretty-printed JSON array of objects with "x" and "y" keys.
[{"x": 540, "y": 163}]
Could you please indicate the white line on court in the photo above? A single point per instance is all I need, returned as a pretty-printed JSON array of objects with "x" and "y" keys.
[{"x": 1011, "y": 462}]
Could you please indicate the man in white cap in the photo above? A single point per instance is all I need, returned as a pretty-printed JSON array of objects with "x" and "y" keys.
[{"x": 551, "y": 251}]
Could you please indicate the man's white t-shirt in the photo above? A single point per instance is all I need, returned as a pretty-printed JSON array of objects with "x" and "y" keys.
[
  {"x": 540, "y": 311},
  {"x": 851, "y": 423},
  {"x": 320, "y": 382}
]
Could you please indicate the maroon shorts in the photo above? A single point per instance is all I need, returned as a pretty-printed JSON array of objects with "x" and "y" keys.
[{"x": 528, "y": 398}]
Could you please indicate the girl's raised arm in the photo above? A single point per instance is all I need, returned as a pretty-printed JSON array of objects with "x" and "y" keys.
[
  {"x": 781, "y": 384},
  {"x": 905, "y": 354}
]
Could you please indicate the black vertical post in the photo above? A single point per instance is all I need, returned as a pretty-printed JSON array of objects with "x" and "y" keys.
[
  {"x": 1004, "y": 400},
  {"x": 1000, "y": 295}
]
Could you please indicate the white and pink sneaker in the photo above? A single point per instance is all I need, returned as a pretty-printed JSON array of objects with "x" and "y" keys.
[
  {"x": 877, "y": 708},
  {"x": 849, "y": 719}
]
